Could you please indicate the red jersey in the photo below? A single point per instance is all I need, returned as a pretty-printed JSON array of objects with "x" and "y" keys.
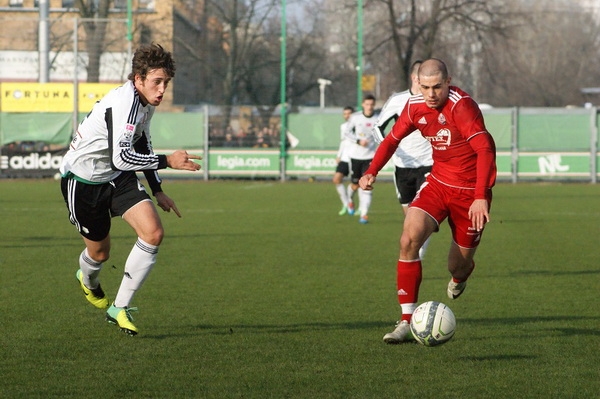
[{"x": 464, "y": 153}]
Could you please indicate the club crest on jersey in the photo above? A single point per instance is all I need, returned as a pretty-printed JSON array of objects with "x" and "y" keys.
[
  {"x": 129, "y": 130},
  {"x": 442, "y": 119},
  {"x": 441, "y": 140}
]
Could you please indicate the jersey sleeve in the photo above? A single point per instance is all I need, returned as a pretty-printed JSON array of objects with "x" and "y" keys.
[
  {"x": 121, "y": 121},
  {"x": 472, "y": 127},
  {"x": 350, "y": 131},
  {"x": 342, "y": 140},
  {"x": 144, "y": 146},
  {"x": 485, "y": 148}
]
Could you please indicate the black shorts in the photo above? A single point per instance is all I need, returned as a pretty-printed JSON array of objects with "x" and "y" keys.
[
  {"x": 343, "y": 168},
  {"x": 408, "y": 181},
  {"x": 359, "y": 167},
  {"x": 91, "y": 206}
]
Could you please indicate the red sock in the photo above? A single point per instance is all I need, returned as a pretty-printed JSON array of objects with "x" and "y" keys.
[{"x": 408, "y": 280}]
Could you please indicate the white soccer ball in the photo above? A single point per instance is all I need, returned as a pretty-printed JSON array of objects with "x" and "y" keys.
[{"x": 432, "y": 323}]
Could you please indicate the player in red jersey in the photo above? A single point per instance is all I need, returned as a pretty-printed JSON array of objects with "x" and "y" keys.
[{"x": 459, "y": 187}]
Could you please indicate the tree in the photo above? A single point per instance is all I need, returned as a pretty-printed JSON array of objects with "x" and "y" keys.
[
  {"x": 242, "y": 53},
  {"x": 95, "y": 14},
  {"x": 538, "y": 66},
  {"x": 422, "y": 29}
]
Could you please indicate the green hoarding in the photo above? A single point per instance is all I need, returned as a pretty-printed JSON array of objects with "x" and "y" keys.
[
  {"x": 253, "y": 163},
  {"x": 318, "y": 163}
]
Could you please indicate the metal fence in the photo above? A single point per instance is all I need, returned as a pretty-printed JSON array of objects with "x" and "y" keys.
[{"x": 241, "y": 141}]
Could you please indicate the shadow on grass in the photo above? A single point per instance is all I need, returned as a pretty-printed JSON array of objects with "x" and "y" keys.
[
  {"x": 523, "y": 320},
  {"x": 214, "y": 329},
  {"x": 233, "y": 329},
  {"x": 495, "y": 358},
  {"x": 35, "y": 241},
  {"x": 557, "y": 320},
  {"x": 558, "y": 273}
]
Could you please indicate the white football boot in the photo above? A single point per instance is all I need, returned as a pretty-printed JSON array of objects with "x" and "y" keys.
[
  {"x": 455, "y": 289},
  {"x": 400, "y": 334}
]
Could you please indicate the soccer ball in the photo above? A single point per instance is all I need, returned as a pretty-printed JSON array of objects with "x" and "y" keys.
[{"x": 432, "y": 323}]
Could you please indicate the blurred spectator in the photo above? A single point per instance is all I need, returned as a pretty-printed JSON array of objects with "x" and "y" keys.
[{"x": 229, "y": 141}]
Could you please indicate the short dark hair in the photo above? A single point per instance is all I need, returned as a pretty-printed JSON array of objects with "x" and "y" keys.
[
  {"x": 434, "y": 66},
  {"x": 349, "y": 108},
  {"x": 148, "y": 57},
  {"x": 414, "y": 67},
  {"x": 369, "y": 97}
]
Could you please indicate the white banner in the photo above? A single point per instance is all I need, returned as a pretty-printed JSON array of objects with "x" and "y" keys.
[{"x": 24, "y": 66}]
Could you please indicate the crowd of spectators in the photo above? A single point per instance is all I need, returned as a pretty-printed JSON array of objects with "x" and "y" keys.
[{"x": 252, "y": 137}]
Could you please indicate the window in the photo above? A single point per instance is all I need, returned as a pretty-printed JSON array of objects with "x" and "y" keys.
[
  {"x": 15, "y": 3},
  {"x": 142, "y": 4},
  {"x": 68, "y": 3},
  {"x": 146, "y": 4}
]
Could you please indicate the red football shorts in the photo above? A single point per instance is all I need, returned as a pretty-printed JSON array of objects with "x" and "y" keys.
[{"x": 441, "y": 201}]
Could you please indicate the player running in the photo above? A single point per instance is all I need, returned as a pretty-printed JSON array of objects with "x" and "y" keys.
[
  {"x": 343, "y": 162},
  {"x": 459, "y": 187},
  {"x": 362, "y": 149},
  {"x": 99, "y": 180}
]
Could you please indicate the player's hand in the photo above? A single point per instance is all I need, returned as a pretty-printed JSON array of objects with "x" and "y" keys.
[
  {"x": 166, "y": 203},
  {"x": 183, "y": 161},
  {"x": 479, "y": 214},
  {"x": 366, "y": 182}
]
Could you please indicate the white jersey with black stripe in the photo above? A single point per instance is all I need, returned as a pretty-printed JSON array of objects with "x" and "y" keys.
[
  {"x": 103, "y": 145},
  {"x": 414, "y": 150},
  {"x": 360, "y": 127}
]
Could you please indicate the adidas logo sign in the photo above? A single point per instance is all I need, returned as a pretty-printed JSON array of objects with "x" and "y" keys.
[
  {"x": 402, "y": 292},
  {"x": 422, "y": 121}
]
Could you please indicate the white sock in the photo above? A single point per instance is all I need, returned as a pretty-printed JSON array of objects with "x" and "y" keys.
[
  {"x": 139, "y": 264},
  {"x": 342, "y": 193},
  {"x": 408, "y": 308},
  {"x": 350, "y": 193},
  {"x": 364, "y": 196},
  {"x": 424, "y": 248},
  {"x": 90, "y": 269}
]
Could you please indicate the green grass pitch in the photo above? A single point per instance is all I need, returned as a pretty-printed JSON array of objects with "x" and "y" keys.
[{"x": 262, "y": 291}]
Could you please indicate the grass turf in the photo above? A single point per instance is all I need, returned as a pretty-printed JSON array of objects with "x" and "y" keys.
[{"x": 262, "y": 290}]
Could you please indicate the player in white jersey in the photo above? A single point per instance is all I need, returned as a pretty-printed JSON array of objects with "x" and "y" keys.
[
  {"x": 362, "y": 149},
  {"x": 99, "y": 180},
  {"x": 413, "y": 157},
  {"x": 343, "y": 161}
]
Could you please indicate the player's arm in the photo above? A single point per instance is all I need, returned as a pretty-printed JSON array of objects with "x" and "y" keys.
[
  {"x": 166, "y": 203},
  {"x": 472, "y": 127},
  {"x": 143, "y": 146},
  {"x": 342, "y": 142},
  {"x": 163, "y": 200},
  {"x": 486, "y": 163},
  {"x": 482, "y": 142},
  {"x": 402, "y": 128},
  {"x": 351, "y": 134},
  {"x": 120, "y": 122},
  {"x": 484, "y": 147},
  {"x": 126, "y": 155}
]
